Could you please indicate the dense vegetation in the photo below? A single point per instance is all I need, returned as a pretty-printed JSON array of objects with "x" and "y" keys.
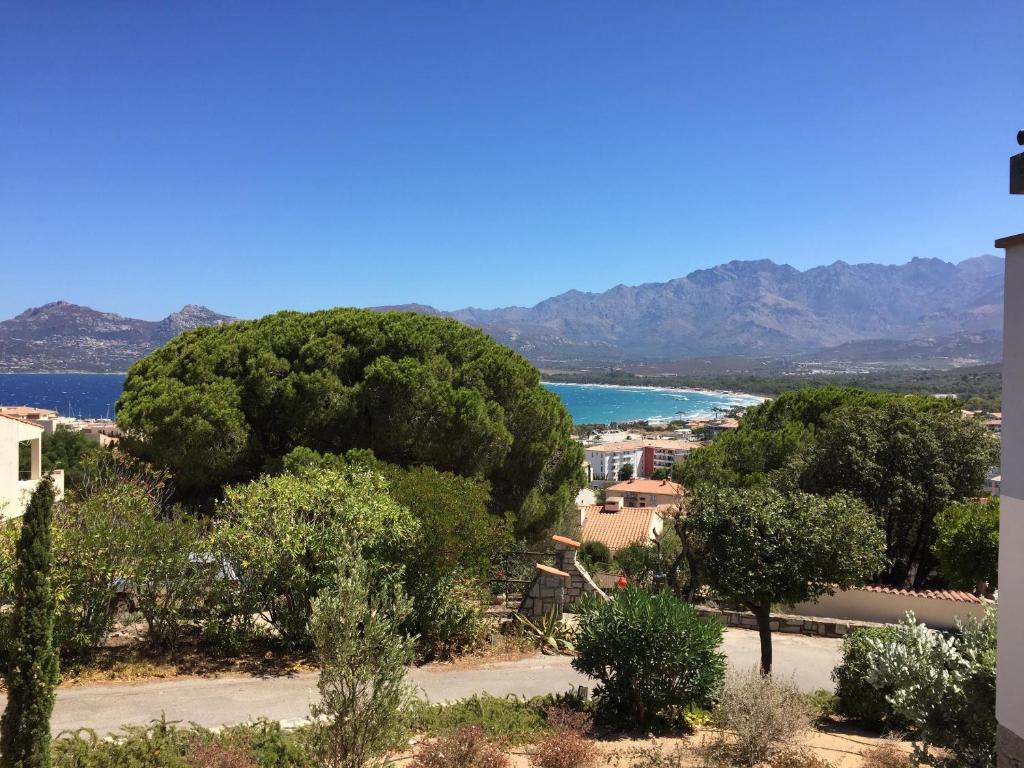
[
  {"x": 30, "y": 664},
  {"x": 906, "y": 457},
  {"x": 219, "y": 406},
  {"x": 979, "y": 386},
  {"x": 651, "y": 655}
]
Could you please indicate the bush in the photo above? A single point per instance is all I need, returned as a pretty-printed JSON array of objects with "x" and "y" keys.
[
  {"x": 798, "y": 758},
  {"x": 446, "y": 616},
  {"x": 886, "y": 755},
  {"x": 219, "y": 756},
  {"x": 764, "y": 713},
  {"x": 856, "y": 697},
  {"x": 510, "y": 720},
  {"x": 363, "y": 656},
  {"x": 564, "y": 749},
  {"x": 944, "y": 686},
  {"x": 651, "y": 655},
  {"x": 282, "y": 536},
  {"x": 821, "y": 703},
  {"x": 595, "y": 555},
  {"x": 162, "y": 744},
  {"x": 563, "y": 718},
  {"x": 466, "y": 747}
]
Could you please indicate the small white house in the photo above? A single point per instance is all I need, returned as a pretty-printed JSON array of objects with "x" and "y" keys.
[{"x": 16, "y": 483}]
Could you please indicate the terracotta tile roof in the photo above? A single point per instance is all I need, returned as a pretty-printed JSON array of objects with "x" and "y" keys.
[
  {"x": 25, "y": 410},
  {"x": 617, "y": 529},
  {"x": 638, "y": 485},
  {"x": 929, "y": 594}
]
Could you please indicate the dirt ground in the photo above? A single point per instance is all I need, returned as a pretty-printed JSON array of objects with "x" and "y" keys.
[{"x": 838, "y": 744}]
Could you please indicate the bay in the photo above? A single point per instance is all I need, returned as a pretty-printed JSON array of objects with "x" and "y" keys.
[{"x": 94, "y": 395}]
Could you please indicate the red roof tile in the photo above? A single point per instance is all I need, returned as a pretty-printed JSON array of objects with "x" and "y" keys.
[
  {"x": 617, "y": 530},
  {"x": 931, "y": 594},
  {"x": 638, "y": 485}
]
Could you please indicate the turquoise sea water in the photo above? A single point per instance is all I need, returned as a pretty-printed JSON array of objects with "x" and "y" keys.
[
  {"x": 94, "y": 396},
  {"x": 601, "y": 404}
]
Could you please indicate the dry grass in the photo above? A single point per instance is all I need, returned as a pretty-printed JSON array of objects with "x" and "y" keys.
[
  {"x": 219, "y": 756},
  {"x": 466, "y": 747},
  {"x": 762, "y": 714},
  {"x": 564, "y": 749},
  {"x": 887, "y": 754}
]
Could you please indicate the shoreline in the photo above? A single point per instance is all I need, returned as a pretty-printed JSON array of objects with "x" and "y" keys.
[
  {"x": 663, "y": 388},
  {"x": 63, "y": 373}
]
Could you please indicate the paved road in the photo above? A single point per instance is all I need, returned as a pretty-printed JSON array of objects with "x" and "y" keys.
[{"x": 225, "y": 700}]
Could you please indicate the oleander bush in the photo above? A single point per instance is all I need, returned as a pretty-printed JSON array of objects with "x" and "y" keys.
[{"x": 652, "y": 655}]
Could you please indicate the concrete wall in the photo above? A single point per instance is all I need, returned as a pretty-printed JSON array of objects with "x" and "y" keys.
[
  {"x": 1010, "y": 685},
  {"x": 9, "y": 492},
  {"x": 886, "y": 608}
]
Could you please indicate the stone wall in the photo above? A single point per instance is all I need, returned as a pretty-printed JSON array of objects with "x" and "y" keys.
[
  {"x": 559, "y": 588},
  {"x": 546, "y": 593},
  {"x": 580, "y": 582},
  {"x": 786, "y": 623}
]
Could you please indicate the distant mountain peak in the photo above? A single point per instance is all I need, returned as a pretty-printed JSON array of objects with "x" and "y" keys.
[{"x": 61, "y": 336}]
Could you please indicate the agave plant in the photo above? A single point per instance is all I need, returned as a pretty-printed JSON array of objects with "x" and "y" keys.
[{"x": 551, "y": 635}]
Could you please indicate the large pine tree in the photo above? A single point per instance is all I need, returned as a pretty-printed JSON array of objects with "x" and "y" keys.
[{"x": 31, "y": 663}]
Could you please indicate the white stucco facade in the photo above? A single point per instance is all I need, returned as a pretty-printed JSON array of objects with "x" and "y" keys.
[
  {"x": 16, "y": 486},
  {"x": 1010, "y": 682}
]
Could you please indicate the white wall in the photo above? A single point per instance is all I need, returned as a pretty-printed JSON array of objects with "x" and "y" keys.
[
  {"x": 1010, "y": 685},
  {"x": 887, "y": 608}
]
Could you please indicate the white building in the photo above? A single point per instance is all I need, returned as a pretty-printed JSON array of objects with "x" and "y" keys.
[
  {"x": 606, "y": 459},
  {"x": 1010, "y": 665},
  {"x": 17, "y": 484}
]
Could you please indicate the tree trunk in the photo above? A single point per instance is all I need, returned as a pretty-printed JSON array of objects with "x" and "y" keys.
[{"x": 764, "y": 630}]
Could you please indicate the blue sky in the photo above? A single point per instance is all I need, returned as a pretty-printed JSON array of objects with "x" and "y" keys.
[{"x": 255, "y": 156}]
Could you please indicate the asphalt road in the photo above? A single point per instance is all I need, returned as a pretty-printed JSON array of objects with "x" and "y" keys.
[{"x": 227, "y": 700}]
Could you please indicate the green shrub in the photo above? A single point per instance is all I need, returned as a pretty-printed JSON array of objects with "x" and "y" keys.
[
  {"x": 595, "y": 555},
  {"x": 163, "y": 744},
  {"x": 856, "y": 697},
  {"x": 363, "y": 685},
  {"x": 510, "y": 720},
  {"x": 945, "y": 686},
  {"x": 821, "y": 703},
  {"x": 651, "y": 655},
  {"x": 447, "y": 617}
]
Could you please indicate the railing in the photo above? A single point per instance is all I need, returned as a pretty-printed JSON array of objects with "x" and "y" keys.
[{"x": 514, "y": 571}]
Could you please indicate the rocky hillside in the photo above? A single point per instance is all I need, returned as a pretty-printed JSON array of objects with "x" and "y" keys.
[
  {"x": 763, "y": 309},
  {"x": 68, "y": 337}
]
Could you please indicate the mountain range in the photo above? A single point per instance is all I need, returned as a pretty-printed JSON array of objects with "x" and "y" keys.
[
  {"x": 763, "y": 309},
  {"x": 753, "y": 309},
  {"x": 67, "y": 337}
]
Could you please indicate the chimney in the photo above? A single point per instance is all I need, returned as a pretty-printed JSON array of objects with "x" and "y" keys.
[{"x": 611, "y": 505}]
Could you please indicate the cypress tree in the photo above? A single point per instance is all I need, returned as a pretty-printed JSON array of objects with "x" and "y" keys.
[{"x": 31, "y": 663}]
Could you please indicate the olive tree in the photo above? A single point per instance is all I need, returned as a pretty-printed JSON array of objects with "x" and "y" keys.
[{"x": 760, "y": 546}]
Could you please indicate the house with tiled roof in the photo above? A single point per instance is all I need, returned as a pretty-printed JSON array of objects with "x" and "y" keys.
[
  {"x": 617, "y": 526},
  {"x": 638, "y": 492},
  {"x": 937, "y": 608}
]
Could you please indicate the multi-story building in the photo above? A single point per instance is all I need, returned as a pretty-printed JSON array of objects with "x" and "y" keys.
[
  {"x": 606, "y": 459},
  {"x": 644, "y": 455}
]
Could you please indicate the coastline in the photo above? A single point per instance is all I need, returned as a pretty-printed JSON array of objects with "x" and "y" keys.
[{"x": 663, "y": 388}]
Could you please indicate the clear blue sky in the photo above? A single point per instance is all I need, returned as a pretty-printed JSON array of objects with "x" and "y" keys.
[{"x": 255, "y": 156}]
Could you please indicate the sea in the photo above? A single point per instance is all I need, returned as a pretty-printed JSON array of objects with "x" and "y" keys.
[{"x": 94, "y": 396}]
